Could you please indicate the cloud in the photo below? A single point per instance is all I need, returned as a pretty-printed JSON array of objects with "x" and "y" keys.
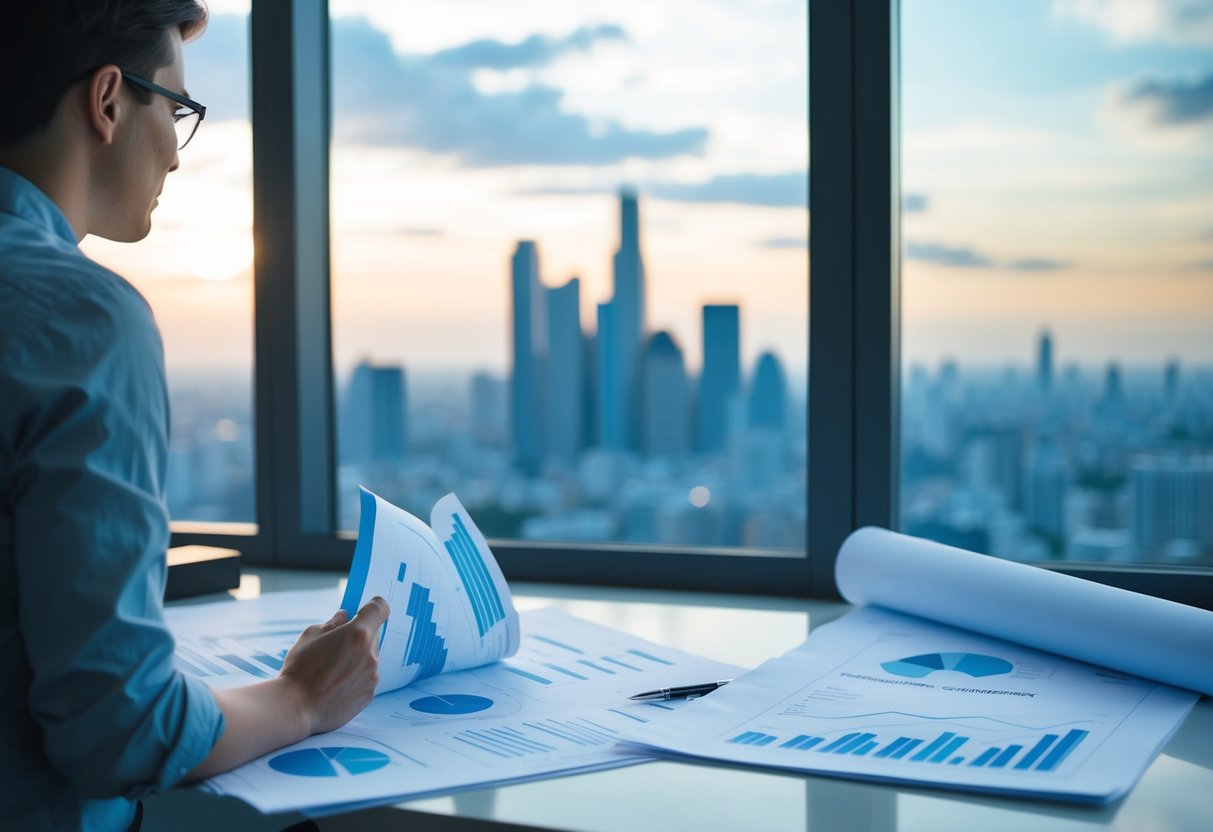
[
  {"x": 429, "y": 102},
  {"x": 775, "y": 190},
  {"x": 784, "y": 242},
  {"x": 1140, "y": 21},
  {"x": 769, "y": 190},
  {"x": 1169, "y": 103},
  {"x": 914, "y": 203},
  {"x": 953, "y": 257},
  {"x": 946, "y": 256},
  {"x": 534, "y": 51},
  {"x": 1038, "y": 264}
]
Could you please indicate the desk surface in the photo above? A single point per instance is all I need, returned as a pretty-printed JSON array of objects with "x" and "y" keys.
[{"x": 1175, "y": 794}]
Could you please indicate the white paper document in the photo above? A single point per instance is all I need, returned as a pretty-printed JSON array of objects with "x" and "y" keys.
[
  {"x": 451, "y": 607},
  {"x": 556, "y": 707},
  {"x": 878, "y": 695}
]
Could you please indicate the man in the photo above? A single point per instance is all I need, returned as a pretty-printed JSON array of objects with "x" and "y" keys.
[{"x": 92, "y": 713}]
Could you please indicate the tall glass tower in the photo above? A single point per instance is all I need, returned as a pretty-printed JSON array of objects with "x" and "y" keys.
[
  {"x": 721, "y": 379},
  {"x": 529, "y": 346}
]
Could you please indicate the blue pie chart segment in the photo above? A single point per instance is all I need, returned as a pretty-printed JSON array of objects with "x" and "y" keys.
[
  {"x": 972, "y": 664},
  {"x": 451, "y": 704},
  {"x": 330, "y": 761}
]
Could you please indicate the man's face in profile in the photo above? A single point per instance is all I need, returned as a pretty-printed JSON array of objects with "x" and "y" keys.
[{"x": 142, "y": 155}]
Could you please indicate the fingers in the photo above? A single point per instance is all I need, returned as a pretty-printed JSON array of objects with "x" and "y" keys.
[
  {"x": 373, "y": 614},
  {"x": 337, "y": 620}
]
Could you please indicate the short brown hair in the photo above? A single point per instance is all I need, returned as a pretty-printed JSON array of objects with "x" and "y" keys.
[{"x": 46, "y": 46}]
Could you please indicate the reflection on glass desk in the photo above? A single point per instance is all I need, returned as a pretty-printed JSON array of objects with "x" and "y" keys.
[{"x": 1175, "y": 794}]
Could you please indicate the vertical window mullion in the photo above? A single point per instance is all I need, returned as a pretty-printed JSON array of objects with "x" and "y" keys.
[
  {"x": 854, "y": 309},
  {"x": 290, "y": 107}
]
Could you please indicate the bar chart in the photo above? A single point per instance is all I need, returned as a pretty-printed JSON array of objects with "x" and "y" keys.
[
  {"x": 425, "y": 647},
  {"x": 1043, "y": 753},
  {"x": 538, "y": 737},
  {"x": 469, "y": 563}
]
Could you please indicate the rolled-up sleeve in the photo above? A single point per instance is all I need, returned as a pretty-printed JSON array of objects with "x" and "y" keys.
[{"x": 90, "y": 531}]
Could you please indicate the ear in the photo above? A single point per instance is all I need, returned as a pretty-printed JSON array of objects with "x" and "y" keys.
[{"x": 104, "y": 108}]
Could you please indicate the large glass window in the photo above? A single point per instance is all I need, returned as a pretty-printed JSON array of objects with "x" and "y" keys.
[
  {"x": 1058, "y": 278},
  {"x": 570, "y": 266},
  {"x": 195, "y": 268}
]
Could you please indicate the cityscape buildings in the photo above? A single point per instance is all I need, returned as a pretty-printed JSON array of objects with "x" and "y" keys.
[{"x": 1061, "y": 461}]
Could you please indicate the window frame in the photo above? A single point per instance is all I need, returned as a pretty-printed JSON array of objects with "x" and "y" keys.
[{"x": 854, "y": 329}]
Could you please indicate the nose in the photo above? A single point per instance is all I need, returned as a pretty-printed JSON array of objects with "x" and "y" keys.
[{"x": 176, "y": 161}]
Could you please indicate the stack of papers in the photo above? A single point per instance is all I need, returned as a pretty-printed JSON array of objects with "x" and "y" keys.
[
  {"x": 471, "y": 694},
  {"x": 882, "y": 695},
  {"x": 557, "y": 707}
]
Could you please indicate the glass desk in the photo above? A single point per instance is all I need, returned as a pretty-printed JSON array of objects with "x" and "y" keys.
[{"x": 1175, "y": 794}]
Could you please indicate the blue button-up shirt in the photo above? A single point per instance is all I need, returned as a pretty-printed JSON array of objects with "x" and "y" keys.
[{"x": 92, "y": 713}]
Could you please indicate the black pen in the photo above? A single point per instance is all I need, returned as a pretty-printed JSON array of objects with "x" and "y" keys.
[{"x": 680, "y": 692}]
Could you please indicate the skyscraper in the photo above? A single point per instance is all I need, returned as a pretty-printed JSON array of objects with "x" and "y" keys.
[
  {"x": 769, "y": 394},
  {"x": 529, "y": 343},
  {"x": 373, "y": 425},
  {"x": 1171, "y": 497},
  {"x": 611, "y": 418},
  {"x": 665, "y": 399},
  {"x": 720, "y": 381},
  {"x": 566, "y": 366},
  {"x": 628, "y": 325},
  {"x": 1044, "y": 363}
]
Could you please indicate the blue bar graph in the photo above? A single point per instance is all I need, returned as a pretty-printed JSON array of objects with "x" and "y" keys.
[
  {"x": 753, "y": 738},
  {"x": 619, "y": 663},
  {"x": 933, "y": 746},
  {"x": 597, "y": 667},
  {"x": 526, "y": 675},
  {"x": 1038, "y": 749},
  {"x": 1068, "y": 743},
  {"x": 559, "y": 644},
  {"x": 891, "y": 747},
  {"x": 628, "y": 715},
  {"x": 268, "y": 660},
  {"x": 848, "y": 747},
  {"x": 565, "y": 671},
  {"x": 1046, "y": 755},
  {"x": 469, "y": 563},
  {"x": 1006, "y": 756},
  {"x": 425, "y": 647},
  {"x": 840, "y": 742},
  {"x": 985, "y": 756},
  {"x": 236, "y": 661},
  {"x": 906, "y": 749},
  {"x": 947, "y": 751},
  {"x": 400, "y": 572},
  {"x": 650, "y": 657},
  {"x": 190, "y": 668}
]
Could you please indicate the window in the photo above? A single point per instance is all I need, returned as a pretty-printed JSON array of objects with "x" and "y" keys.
[
  {"x": 429, "y": 257},
  {"x": 570, "y": 265},
  {"x": 1058, "y": 281},
  {"x": 196, "y": 270}
]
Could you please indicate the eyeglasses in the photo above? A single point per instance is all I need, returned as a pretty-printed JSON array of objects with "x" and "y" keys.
[{"x": 186, "y": 123}]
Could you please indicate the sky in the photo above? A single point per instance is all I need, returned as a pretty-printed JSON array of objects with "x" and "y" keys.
[{"x": 1057, "y": 160}]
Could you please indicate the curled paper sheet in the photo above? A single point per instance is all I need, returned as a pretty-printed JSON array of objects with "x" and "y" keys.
[{"x": 1102, "y": 625}]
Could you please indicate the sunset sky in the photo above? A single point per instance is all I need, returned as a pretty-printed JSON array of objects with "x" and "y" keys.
[{"x": 1057, "y": 159}]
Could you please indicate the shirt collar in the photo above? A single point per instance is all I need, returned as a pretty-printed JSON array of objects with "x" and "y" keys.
[{"x": 22, "y": 198}]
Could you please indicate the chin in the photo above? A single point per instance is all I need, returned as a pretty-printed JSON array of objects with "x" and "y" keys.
[{"x": 131, "y": 233}]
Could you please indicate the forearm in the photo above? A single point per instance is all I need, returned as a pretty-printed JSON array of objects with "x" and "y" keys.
[{"x": 257, "y": 719}]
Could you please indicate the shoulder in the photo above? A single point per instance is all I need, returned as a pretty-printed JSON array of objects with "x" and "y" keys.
[{"x": 58, "y": 306}]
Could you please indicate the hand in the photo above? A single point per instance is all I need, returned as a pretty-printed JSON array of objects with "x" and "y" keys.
[{"x": 334, "y": 666}]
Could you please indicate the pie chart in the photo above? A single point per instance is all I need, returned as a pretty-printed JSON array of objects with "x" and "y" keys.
[
  {"x": 972, "y": 664},
  {"x": 330, "y": 761},
  {"x": 451, "y": 704}
]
